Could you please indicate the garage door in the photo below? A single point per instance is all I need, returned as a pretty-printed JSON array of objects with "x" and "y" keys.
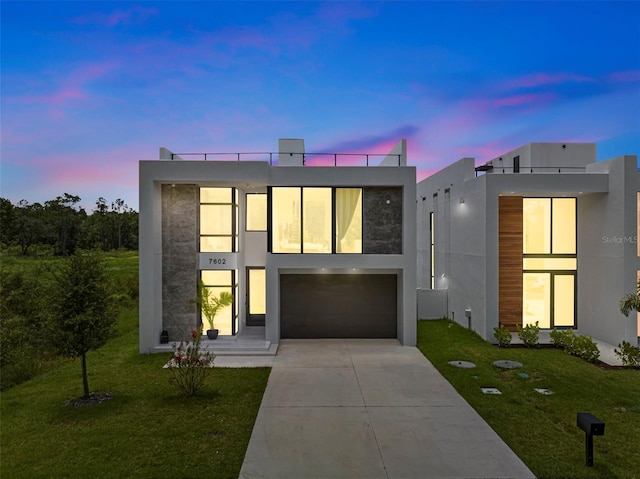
[{"x": 338, "y": 306}]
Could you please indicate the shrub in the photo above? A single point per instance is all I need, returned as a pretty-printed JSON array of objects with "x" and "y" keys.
[
  {"x": 562, "y": 339},
  {"x": 503, "y": 336},
  {"x": 585, "y": 348},
  {"x": 630, "y": 355},
  {"x": 24, "y": 299},
  {"x": 529, "y": 334},
  {"x": 189, "y": 367},
  {"x": 581, "y": 346}
]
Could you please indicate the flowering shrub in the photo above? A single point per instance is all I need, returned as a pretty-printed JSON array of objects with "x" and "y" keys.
[{"x": 189, "y": 367}]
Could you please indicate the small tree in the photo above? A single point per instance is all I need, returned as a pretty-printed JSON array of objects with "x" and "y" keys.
[
  {"x": 631, "y": 302},
  {"x": 81, "y": 317},
  {"x": 210, "y": 304}
]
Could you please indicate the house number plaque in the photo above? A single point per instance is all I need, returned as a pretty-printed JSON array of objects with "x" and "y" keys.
[{"x": 218, "y": 260}]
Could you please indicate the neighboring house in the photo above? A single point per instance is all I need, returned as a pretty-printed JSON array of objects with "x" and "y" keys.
[
  {"x": 308, "y": 251},
  {"x": 543, "y": 233}
]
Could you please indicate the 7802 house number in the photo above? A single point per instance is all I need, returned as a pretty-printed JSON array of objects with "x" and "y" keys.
[{"x": 217, "y": 261}]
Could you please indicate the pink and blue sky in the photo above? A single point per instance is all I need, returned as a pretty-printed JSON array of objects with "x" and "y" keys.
[{"x": 91, "y": 88}]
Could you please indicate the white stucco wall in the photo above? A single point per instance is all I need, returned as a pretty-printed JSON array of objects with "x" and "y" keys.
[
  {"x": 546, "y": 158},
  {"x": 467, "y": 235},
  {"x": 460, "y": 240},
  {"x": 254, "y": 177},
  {"x": 607, "y": 252}
]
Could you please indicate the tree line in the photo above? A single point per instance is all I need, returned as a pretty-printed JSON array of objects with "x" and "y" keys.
[{"x": 61, "y": 226}]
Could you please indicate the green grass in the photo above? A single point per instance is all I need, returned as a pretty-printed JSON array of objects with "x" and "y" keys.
[
  {"x": 542, "y": 429},
  {"x": 146, "y": 430}
]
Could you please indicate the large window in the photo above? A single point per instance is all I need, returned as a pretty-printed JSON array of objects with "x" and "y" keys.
[
  {"x": 217, "y": 281},
  {"x": 348, "y": 220},
  {"x": 256, "y": 212},
  {"x": 549, "y": 226},
  {"x": 218, "y": 220},
  {"x": 549, "y": 262},
  {"x": 286, "y": 229},
  {"x": 316, "y": 220}
]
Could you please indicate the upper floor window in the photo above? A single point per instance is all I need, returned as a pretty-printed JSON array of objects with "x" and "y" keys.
[
  {"x": 348, "y": 220},
  {"x": 549, "y": 226},
  {"x": 218, "y": 220},
  {"x": 316, "y": 220},
  {"x": 256, "y": 219}
]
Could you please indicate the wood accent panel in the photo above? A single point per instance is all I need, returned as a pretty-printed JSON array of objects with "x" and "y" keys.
[{"x": 510, "y": 261}]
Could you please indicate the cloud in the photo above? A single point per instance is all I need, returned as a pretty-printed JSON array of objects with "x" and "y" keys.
[
  {"x": 625, "y": 77},
  {"x": 532, "y": 99},
  {"x": 119, "y": 17},
  {"x": 374, "y": 143},
  {"x": 69, "y": 87},
  {"x": 88, "y": 173},
  {"x": 535, "y": 80}
]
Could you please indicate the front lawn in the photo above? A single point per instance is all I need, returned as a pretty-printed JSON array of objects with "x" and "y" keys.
[
  {"x": 541, "y": 429},
  {"x": 146, "y": 430}
]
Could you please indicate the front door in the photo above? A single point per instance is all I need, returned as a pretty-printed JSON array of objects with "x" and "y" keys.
[{"x": 256, "y": 296}]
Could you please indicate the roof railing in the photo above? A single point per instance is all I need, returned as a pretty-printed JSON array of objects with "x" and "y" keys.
[
  {"x": 492, "y": 169},
  {"x": 308, "y": 159}
]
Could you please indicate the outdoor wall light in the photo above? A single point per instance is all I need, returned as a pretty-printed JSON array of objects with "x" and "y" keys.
[
  {"x": 462, "y": 201},
  {"x": 388, "y": 202}
]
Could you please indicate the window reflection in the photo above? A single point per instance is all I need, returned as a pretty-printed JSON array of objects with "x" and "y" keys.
[
  {"x": 348, "y": 220},
  {"x": 218, "y": 220},
  {"x": 256, "y": 212},
  {"x": 285, "y": 215}
]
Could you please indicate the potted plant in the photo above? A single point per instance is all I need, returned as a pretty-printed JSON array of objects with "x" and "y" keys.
[{"x": 210, "y": 304}]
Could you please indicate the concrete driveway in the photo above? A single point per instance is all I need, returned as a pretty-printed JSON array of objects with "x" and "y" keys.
[{"x": 368, "y": 409}]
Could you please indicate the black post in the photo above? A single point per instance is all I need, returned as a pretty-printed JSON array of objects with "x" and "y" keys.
[
  {"x": 592, "y": 426},
  {"x": 589, "y": 451}
]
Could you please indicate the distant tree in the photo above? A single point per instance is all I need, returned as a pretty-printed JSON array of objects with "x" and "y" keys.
[
  {"x": 7, "y": 221},
  {"x": 81, "y": 317},
  {"x": 97, "y": 231},
  {"x": 30, "y": 225},
  {"x": 631, "y": 302},
  {"x": 62, "y": 224},
  {"x": 65, "y": 215}
]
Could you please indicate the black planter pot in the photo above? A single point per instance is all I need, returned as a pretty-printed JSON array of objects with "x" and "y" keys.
[{"x": 212, "y": 333}]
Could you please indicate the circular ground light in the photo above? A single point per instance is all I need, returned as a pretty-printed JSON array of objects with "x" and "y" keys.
[
  {"x": 462, "y": 364},
  {"x": 505, "y": 364}
]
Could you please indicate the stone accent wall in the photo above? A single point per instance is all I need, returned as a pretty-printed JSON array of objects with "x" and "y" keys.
[
  {"x": 382, "y": 221},
  {"x": 180, "y": 213}
]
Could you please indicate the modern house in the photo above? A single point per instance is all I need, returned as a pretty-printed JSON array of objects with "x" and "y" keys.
[
  {"x": 310, "y": 245},
  {"x": 542, "y": 234}
]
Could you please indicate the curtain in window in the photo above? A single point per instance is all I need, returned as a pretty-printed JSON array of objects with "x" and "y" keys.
[{"x": 347, "y": 202}]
